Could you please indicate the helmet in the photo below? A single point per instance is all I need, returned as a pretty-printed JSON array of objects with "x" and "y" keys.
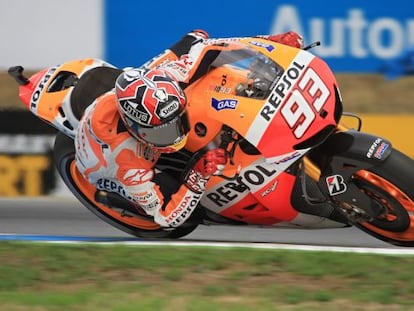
[{"x": 152, "y": 107}]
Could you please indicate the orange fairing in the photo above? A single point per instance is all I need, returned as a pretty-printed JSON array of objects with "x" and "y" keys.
[
  {"x": 199, "y": 96},
  {"x": 267, "y": 201},
  {"x": 26, "y": 91},
  {"x": 299, "y": 103},
  {"x": 53, "y": 107}
]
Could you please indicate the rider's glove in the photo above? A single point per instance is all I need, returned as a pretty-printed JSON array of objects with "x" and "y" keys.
[
  {"x": 210, "y": 163},
  {"x": 199, "y": 34},
  {"x": 290, "y": 38}
]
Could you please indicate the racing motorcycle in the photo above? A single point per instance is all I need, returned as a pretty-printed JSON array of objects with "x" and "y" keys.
[{"x": 295, "y": 160}]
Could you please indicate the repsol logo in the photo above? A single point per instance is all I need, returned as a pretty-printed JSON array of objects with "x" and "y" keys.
[
  {"x": 373, "y": 147},
  {"x": 282, "y": 88},
  {"x": 183, "y": 211},
  {"x": 377, "y": 149},
  {"x": 110, "y": 186},
  {"x": 256, "y": 176},
  {"x": 40, "y": 87}
]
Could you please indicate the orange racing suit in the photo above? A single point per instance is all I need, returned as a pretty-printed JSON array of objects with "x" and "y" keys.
[{"x": 112, "y": 160}]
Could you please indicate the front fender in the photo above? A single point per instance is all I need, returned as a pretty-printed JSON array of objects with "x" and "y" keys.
[
  {"x": 352, "y": 148},
  {"x": 343, "y": 154}
]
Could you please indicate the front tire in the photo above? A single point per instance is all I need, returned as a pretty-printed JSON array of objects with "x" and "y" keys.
[
  {"x": 143, "y": 227},
  {"x": 390, "y": 186}
]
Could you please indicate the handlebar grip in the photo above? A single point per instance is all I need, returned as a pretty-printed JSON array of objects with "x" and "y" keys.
[
  {"x": 312, "y": 45},
  {"x": 17, "y": 73}
]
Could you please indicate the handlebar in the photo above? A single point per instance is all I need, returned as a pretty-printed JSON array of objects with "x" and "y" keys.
[
  {"x": 17, "y": 73},
  {"x": 312, "y": 45}
]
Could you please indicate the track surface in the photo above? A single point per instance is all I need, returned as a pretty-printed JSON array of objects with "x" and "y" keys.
[{"x": 65, "y": 217}]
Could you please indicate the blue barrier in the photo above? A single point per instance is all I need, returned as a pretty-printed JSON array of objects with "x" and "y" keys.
[{"x": 356, "y": 36}]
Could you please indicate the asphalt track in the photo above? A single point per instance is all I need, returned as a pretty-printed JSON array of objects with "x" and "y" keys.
[{"x": 63, "y": 218}]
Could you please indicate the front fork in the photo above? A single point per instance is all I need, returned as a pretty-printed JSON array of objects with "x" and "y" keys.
[{"x": 334, "y": 164}]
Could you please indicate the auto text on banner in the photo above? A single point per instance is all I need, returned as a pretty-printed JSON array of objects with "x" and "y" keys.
[{"x": 355, "y": 36}]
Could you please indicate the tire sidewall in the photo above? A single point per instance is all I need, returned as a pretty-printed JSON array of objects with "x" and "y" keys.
[{"x": 64, "y": 155}]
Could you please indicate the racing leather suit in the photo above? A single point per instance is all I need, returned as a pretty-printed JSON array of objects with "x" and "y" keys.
[{"x": 112, "y": 160}]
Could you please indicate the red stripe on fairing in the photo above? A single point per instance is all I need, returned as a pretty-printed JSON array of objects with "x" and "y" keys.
[
  {"x": 278, "y": 138},
  {"x": 265, "y": 207},
  {"x": 26, "y": 91}
]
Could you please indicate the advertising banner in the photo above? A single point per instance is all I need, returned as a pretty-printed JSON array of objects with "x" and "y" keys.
[
  {"x": 355, "y": 36},
  {"x": 26, "y": 155},
  {"x": 43, "y": 33}
]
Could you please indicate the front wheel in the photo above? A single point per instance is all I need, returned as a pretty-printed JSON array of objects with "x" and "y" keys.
[
  {"x": 144, "y": 227},
  {"x": 390, "y": 187}
]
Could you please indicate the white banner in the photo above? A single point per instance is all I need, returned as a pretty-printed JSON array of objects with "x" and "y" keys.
[{"x": 43, "y": 33}]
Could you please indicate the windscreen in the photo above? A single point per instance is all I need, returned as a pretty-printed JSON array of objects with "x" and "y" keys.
[{"x": 257, "y": 73}]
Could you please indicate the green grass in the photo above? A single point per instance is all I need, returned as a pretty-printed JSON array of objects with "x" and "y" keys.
[
  {"x": 42, "y": 277},
  {"x": 121, "y": 277}
]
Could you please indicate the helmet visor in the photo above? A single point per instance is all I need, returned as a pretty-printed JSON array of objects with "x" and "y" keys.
[{"x": 163, "y": 135}]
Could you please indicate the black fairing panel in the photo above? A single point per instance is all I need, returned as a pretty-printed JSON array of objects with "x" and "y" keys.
[{"x": 353, "y": 147}]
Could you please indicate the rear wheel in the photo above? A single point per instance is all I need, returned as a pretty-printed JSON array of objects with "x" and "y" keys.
[
  {"x": 140, "y": 226},
  {"x": 390, "y": 186}
]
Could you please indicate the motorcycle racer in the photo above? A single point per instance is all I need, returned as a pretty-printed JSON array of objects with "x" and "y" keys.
[{"x": 124, "y": 132}]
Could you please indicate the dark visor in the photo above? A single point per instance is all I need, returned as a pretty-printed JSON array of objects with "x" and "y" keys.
[{"x": 163, "y": 135}]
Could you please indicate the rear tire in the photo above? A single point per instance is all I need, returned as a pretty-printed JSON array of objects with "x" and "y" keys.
[{"x": 145, "y": 227}]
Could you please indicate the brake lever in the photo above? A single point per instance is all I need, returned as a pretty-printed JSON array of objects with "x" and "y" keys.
[{"x": 312, "y": 45}]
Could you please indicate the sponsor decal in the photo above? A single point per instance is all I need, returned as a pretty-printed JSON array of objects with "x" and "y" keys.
[
  {"x": 169, "y": 109},
  {"x": 148, "y": 200},
  {"x": 305, "y": 103},
  {"x": 136, "y": 111},
  {"x": 269, "y": 190},
  {"x": 183, "y": 211},
  {"x": 377, "y": 149},
  {"x": 381, "y": 149},
  {"x": 266, "y": 46},
  {"x": 224, "y": 104},
  {"x": 254, "y": 176},
  {"x": 297, "y": 111},
  {"x": 39, "y": 88},
  {"x": 196, "y": 182},
  {"x": 138, "y": 175},
  {"x": 178, "y": 69},
  {"x": 145, "y": 197},
  {"x": 288, "y": 158},
  {"x": 111, "y": 186},
  {"x": 220, "y": 89},
  {"x": 283, "y": 87},
  {"x": 336, "y": 184}
]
